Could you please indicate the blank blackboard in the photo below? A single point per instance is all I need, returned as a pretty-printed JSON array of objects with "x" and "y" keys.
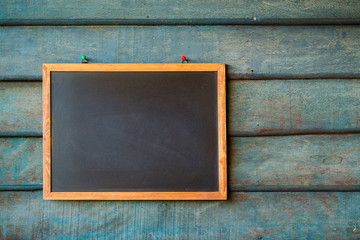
[{"x": 128, "y": 131}]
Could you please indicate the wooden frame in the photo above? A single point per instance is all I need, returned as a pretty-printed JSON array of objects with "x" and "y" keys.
[{"x": 49, "y": 195}]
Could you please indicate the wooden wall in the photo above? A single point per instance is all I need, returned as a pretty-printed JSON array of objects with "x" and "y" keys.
[{"x": 293, "y": 99}]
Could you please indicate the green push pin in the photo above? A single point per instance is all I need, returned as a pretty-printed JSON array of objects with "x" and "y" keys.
[{"x": 83, "y": 59}]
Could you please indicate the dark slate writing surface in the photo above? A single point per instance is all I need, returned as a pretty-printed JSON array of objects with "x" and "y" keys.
[{"x": 134, "y": 131}]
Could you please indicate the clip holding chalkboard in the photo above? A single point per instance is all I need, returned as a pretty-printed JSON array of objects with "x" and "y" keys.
[
  {"x": 83, "y": 59},
  {"x": 184, "y": 59}
]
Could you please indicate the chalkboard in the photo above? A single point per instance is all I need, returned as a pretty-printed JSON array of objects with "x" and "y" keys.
[{"x": 134, "y": 131}]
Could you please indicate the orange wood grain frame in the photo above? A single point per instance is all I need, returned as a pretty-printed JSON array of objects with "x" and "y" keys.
[{"x": 191, "y": 67}]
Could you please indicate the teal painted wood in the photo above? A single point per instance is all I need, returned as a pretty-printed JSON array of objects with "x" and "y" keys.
[
  {"x": 24, "y": 215},
  {"x": 179, "y": 12},
  {"x": 33, "y": 187},
  {"x": 20, "y": 163},
  {"x": 255, "y": 107},
  {"x": 293, "y": 163},
  {"x": 293, "y": 107},
  {"x": 21, "y": 109},
  {"x": 256, "y": 52}
]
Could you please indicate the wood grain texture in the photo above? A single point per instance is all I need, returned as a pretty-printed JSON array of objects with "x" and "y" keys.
[
  {"x": 46, "y": 86},
  {"x": 20, "y": 162},
  {"x": 255, "y": 107},
  {"x": 222, "y": 130},
  {"x": 220, "y": 194},
  {"x": 313, "y": 162},
  {"x": 295, "y": 163},
  {"x": 244, "y": 216},
  {"x": 20, "y": 109},
  {"x": 256, "y": 52},
  {"x": 251, "y": 52},
  {"x": 293, "y": 107},
  {"x": 133, "y": 67},
  {"x": 174, "y": 12}
]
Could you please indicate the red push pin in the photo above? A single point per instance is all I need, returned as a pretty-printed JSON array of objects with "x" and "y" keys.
[{"x": 183, "y": 58}]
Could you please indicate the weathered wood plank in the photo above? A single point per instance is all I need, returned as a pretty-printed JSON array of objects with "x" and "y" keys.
[
  {"x": 313, "y": 162},
  {"x": 254, "y": 107},
  {"x": 296, "y": 163},
  {"x": 20, "y": 163},
  {"x": 21, "y": 109},
  {"x": 24, "y": 215},
  {"x": 293, "y": 107},
  {"x": 257, "y": 52},
  {"x": 184, "y": 12}
]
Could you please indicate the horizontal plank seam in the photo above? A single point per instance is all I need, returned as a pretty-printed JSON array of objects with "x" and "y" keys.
[
  {"x": 228, "y": 79},
  {"x": 232, "y": 135},
  {"x": 20, "y": 81},
  {"x": 13, "y": 135},
  {"x": 357, "y": 189},
  {"x": 21, "y": 185},
  {"x": 309, "y": 76},
  {"x": 324, "y": 188},
  {"x": 294, "y": 134},
  {"x": 293, "y": 79},
  {"x": 183, "y": 22},
  {"x": 237, "y": 77}
]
